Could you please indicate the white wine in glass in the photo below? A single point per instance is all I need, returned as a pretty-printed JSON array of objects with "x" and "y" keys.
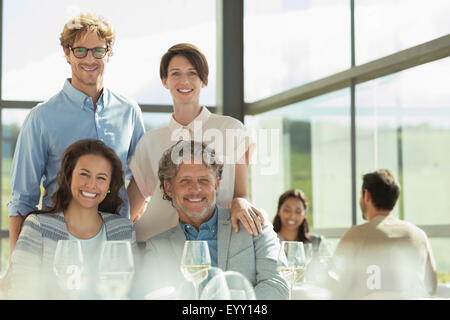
[
  {"x": 291, "y": 262},
  {"x": 68, "y": 266},
  {"x": 291, "y": 274},
  {"x": 195, "y": 274},
  {"x": 195, "y": 262},
  {"x": 116, "y": 270}
]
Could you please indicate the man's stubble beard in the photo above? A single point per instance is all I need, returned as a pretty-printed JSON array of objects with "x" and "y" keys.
[{"x": 196, "y": 216}]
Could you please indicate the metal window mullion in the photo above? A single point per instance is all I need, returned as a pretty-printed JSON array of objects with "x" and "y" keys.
[
  {"x": 160, "y": 108},
  {"x": 426, "y": 52},
  {"x": 353, "y": 113},
  {"x": 432, "y": 231},
  {"x": 2, "y": 232},
  {"x": 230, "y": 58},
  {"x": 353, "y": 150}
]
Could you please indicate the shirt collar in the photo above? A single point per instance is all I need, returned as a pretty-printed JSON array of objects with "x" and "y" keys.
[
  {"x": 202, "y": 118},
  {"x": 210, "y": 225},
  {"x": 80, "y": 99}
]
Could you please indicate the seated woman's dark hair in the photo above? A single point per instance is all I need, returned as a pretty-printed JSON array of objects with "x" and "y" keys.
[{"x": 62, "y": 197}]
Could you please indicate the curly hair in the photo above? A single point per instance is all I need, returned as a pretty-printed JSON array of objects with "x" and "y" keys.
[
  {"x": 84, "y": 23},
  {"x": 182, "y": 151}
]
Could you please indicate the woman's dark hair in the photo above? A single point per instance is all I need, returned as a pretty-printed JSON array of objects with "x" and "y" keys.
[
  {"x": 303, "y": 230},
  {"x": 62, "y": 197},
  {"x": 192, "y": 54}
]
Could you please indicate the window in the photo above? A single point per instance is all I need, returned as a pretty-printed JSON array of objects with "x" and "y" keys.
[
  {"x": 440, "y": 252},
  {"x": 309, "y": 148},
  {"x": 403, "y": 122},
  {"x": 34, "y": 67},
  {"x": 286, "y": 44},
  {"x": 12, "y": 120},
  {"x": 153, "y": 120},
  {"x": 383, "y": 27}
]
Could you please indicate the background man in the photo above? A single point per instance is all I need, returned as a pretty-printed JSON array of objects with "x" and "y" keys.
[{"x": 385, "y": 254}]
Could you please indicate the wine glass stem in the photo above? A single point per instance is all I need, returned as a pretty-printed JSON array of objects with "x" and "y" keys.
[
  {"x": 196, "y": 292},
  {"x": 290, "y": 291}
]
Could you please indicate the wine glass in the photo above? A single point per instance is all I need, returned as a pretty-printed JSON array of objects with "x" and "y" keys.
[
  {"x": 291, "y": 262},
  {"x": 195, "y": 262},
  {"x": 325, "y": 252},
  {"x": 115, "y": 270},
  {"x": 214, "y": 286},
  {"x": 68, "y": 266},
  {"x": 239, "y": 287},
  {"x": 308, "y": 255},
  {"x": 228, "y": 285},
  {"x": 308, "y": 252}
]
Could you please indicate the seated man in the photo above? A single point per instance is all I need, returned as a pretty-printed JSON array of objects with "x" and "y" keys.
[
  {"x": 190, "y": 177},
  {"x": 385, "y": 257}
]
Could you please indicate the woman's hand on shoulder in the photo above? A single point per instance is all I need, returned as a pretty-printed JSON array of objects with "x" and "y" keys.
[{"x": 251, "y": 218}]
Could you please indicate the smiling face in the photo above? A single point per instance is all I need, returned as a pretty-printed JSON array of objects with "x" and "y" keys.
[
  {"x": 193, "y": 193},
  {"x": 90, "y": 181},
  {"x": 87, "y": 72},
  {"x": 292, "y": 213},
  {"x": 183, "y": 81}
]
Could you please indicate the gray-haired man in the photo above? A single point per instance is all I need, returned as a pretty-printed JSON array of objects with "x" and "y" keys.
[{"x": 190, "y": 177}]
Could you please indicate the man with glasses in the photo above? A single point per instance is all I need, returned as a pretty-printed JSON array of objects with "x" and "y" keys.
[{"x": 82, "y": 109}]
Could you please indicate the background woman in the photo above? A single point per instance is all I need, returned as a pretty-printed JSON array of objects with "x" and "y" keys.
[
  {"x": 86, "y": 207},
  {"x": 290, "y": 222}
]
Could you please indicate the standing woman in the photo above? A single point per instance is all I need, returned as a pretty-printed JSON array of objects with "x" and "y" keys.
[
  {"x": 184, "y": 72},
  {"x": 290, "y": 222},
  {"x": 86, "y": 208}
]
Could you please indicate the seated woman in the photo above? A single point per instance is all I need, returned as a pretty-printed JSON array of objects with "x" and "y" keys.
[
  {"x": 290, "y": 221},
  {"x": 86, "y": 207}
]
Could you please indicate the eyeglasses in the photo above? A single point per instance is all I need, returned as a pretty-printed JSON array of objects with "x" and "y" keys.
[{"x": 81, "y": 52}]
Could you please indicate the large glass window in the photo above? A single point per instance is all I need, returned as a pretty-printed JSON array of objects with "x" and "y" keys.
[
  {"x": 286, "y": 43},
  {"x": 440, "y": 252},
  {"x": 403, "y": 124},
  {"x": 12, "y": 120},
  {"x": 4, "y": 258},
  {"x": 34, "y": 67},
  {"x": 153, "y": 120},
  {"x": 305, "y": 145},
  {"x": 383, "y": 27}
]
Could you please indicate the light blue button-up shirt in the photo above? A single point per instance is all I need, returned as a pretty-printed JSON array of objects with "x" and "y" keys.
[
  {"x": 52, "y": 126},
  {"x": 207, "y": 232}
]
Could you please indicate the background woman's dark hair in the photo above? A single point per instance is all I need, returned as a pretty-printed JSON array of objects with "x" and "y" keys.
[
  {"x": 62, "y": 197},
  {"x": 303, "y": 230}
]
